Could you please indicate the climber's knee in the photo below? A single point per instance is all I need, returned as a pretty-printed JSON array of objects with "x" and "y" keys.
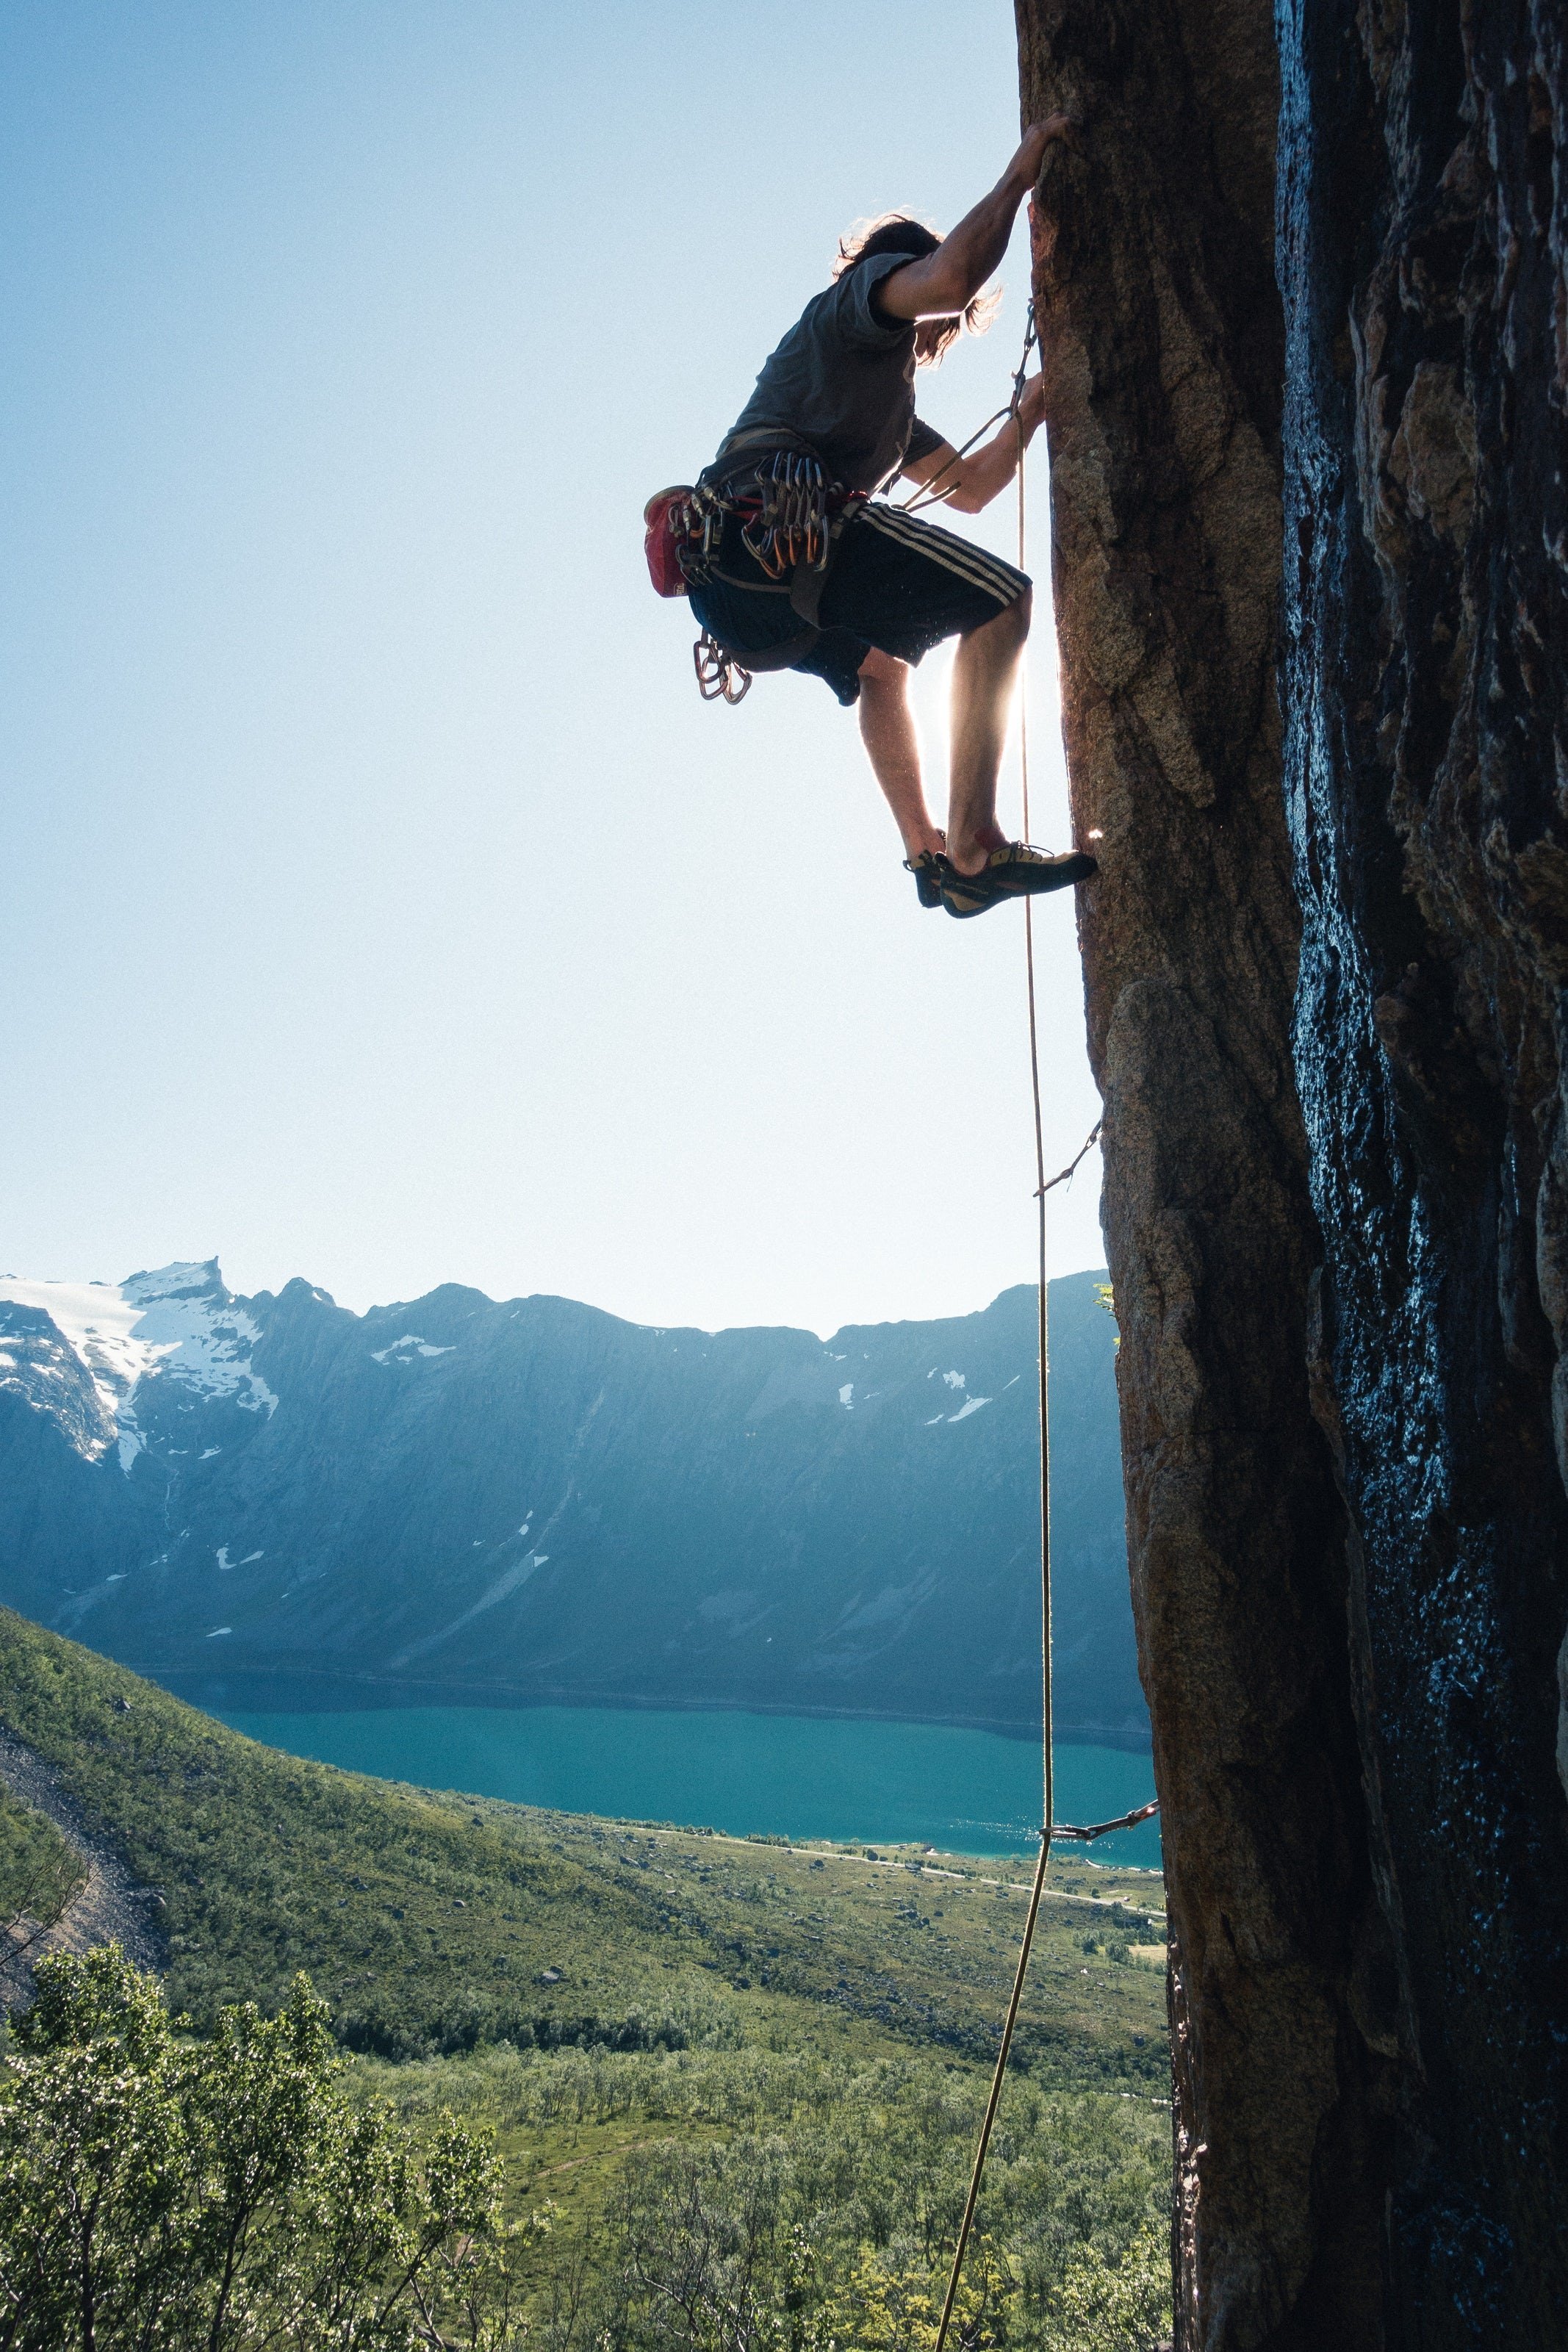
[
  {"x": 1010, "y": 626},
  {"x": 884, "y": 673}
]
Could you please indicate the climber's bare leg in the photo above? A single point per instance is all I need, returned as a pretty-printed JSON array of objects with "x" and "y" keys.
[
  {"x": 984, "y": 670},
  {"x": 888, "y": 732}
]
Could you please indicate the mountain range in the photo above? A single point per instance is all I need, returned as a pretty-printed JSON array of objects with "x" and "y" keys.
[{"x": 274, "y": 1502}]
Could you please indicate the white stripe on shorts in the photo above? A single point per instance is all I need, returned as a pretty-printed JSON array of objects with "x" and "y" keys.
[{"x": 972, "y": 563}]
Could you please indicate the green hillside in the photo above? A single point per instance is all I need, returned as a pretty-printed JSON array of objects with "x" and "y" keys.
[
  {"x": 437, "y": 1923},
  {"x": 712, "y": 2068}
]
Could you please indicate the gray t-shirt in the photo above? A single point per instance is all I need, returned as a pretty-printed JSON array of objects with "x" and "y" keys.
[{"x": 843, "y": 379}]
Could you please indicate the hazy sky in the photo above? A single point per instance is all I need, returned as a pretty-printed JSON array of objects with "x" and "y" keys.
[{"x": 381, "y": 903}]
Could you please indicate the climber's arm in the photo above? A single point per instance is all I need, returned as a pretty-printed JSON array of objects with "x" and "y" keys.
[
  {"x": 967, "y": 484},
  {"x": 947, "y": 280}
]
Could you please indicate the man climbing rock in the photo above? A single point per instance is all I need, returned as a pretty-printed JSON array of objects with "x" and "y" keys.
[{"x": 792, "y": 562}]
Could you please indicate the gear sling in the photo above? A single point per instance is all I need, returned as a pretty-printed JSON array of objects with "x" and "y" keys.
[{"x": 791, "y": 514}]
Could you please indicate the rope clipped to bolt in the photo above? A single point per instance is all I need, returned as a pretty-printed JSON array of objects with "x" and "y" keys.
[{"x": 1043, "y": 1186}]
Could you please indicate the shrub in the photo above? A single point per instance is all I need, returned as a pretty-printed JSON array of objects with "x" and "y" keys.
[
  {"x": 39, "y": 1874},
  {"x": 227, "y": 2193}
]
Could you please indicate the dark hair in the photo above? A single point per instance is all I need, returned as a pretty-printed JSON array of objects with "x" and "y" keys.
[{"x": 902, "y": 233}]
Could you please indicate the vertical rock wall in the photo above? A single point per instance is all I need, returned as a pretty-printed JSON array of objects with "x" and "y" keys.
[
  {"x": 1423, "y": 166},
  {"x": 1164, "y": 351},
  {"x": 1342, "y": 1263}
]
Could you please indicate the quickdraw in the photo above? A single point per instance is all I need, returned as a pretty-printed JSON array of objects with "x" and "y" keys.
[
  {"x": 696, "y": 524},
  {"x": 720, "y": 676},
  {"x": 788, "y": 519}
]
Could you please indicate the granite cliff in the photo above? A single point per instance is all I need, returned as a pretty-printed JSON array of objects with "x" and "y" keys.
[{"x": 1325, "y": 959}]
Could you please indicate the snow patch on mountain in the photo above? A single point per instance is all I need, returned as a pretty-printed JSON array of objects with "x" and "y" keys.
[
  {"x": 176, "y": 1322},
  {"x": 404, "y": 1349}
]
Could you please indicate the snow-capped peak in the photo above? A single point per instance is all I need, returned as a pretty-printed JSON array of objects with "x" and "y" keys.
[
  {"x": 187, "y": 1278},
  {"x": 177, "y": 1321}
]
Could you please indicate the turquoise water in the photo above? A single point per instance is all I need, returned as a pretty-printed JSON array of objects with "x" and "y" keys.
[{"x": 797, "y": 1775}]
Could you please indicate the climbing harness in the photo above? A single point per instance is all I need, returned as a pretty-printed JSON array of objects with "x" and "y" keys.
[
  {"x": 790, "y": 511},
  {"x": 1043, "y": 1185}
]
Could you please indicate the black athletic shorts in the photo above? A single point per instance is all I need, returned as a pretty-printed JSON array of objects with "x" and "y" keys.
[{"x": 896, "y": 581}]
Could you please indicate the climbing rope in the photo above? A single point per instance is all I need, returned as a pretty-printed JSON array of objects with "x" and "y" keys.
[
  {"x": 929, "y": 493},
  {"x": 1051, "y": 1828}
]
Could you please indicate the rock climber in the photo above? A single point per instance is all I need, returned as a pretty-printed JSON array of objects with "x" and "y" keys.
[{"x": 792, "y": 562}]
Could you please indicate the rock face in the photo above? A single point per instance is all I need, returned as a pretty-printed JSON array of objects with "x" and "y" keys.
[
  {"x": 274, "y": 1502},
  {"x": 1345, "y": 1521},
  {"x": 1424, "y": 242},
  {"x": 1162, "y": 342}
]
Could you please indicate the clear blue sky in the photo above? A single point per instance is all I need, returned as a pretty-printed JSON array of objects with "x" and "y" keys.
[{"x": 381, "y": 903}]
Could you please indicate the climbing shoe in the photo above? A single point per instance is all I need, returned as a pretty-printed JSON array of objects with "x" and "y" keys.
[
  {"x": 1016, "y": 872},
  {"x": 927, "y": 871}
]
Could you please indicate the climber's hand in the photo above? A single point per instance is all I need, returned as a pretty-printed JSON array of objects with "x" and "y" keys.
[
  {"x": 1025, "y": 165},
  {"x": 1032, "y": 404},
  {"x": 941, "y": 284}
]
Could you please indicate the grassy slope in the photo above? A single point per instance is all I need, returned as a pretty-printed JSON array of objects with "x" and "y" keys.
[{"x": 431, "y": 1921}]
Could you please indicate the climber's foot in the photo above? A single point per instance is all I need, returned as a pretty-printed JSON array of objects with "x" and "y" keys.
[
  {"x": 1015, "y": 871},
  {"x": 927, "y": 871}
]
